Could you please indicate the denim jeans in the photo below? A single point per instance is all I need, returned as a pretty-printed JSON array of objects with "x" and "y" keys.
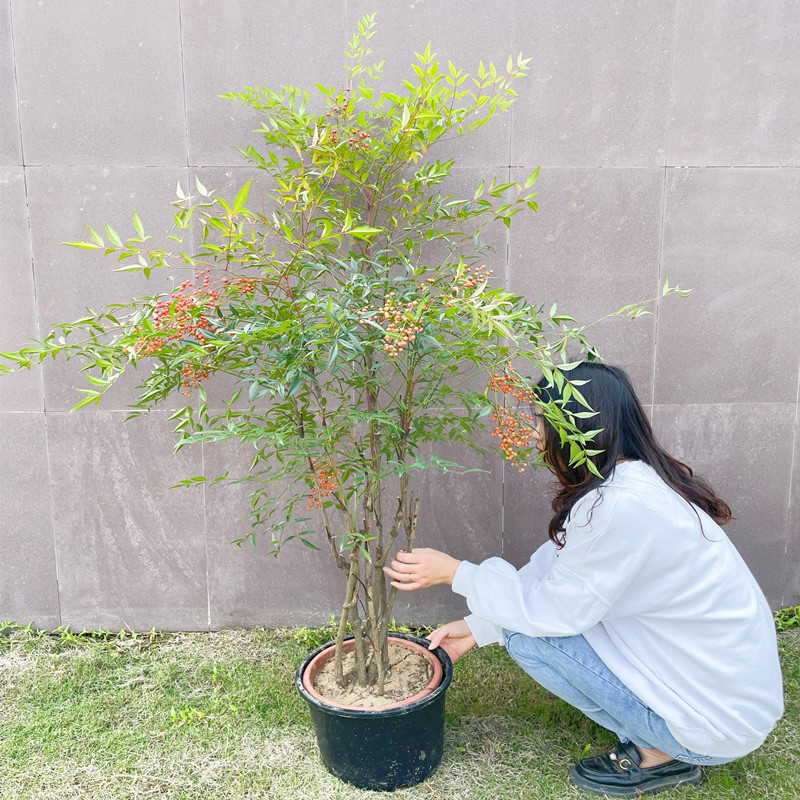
[{"x": 569, "y": 668}]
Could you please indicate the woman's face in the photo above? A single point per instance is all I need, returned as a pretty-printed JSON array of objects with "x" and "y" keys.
[{"x": 538, "y": 438}]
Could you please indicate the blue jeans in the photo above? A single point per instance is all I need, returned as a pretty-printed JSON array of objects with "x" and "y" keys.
[{"x": 569, "y": 668}]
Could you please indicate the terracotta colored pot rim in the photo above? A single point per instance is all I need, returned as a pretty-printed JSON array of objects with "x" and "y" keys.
[{"x": 316, "y": 663}]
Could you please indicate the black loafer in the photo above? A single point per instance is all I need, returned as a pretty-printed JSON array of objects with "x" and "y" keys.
[{"x": 618, "y": 774}]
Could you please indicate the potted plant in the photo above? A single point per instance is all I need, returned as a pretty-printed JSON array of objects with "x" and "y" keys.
[{"x": 354, "y": 312}]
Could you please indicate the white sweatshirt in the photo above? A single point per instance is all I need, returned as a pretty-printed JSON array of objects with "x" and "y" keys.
[{"x": 671, "y": 609}]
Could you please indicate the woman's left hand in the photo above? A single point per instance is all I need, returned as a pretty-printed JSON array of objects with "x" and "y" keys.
[{"x": 421, "y": 568}]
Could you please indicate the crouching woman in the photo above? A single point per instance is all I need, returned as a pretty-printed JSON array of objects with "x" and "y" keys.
[{"x": 638, "y": 611}]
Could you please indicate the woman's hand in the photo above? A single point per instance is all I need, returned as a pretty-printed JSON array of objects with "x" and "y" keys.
[
  {"x": 455, "y": 639},
  {"x": 421, "y": 568}
]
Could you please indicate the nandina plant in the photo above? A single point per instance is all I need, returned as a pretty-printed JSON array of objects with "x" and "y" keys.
[{"x": 354, "y": 306}]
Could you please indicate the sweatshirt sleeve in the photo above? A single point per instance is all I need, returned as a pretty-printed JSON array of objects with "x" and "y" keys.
[
  {"x": 565, "y": 595},
  {"x": 484, "y": 631}
]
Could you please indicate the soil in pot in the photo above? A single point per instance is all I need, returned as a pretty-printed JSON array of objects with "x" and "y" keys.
[{"x": 409, "y": 674}]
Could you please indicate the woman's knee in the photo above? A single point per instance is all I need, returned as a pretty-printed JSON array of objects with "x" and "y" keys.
[{"x": 522, "y": 648}]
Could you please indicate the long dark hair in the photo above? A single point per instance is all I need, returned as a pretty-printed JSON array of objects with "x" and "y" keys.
[{"x": 626, "y": 434}]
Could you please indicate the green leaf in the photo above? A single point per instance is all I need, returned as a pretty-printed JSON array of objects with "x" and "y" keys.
[
  {"x": 91, "y": 397},
  {"x": 241, "y": 197},
  {"x": 308, "y": 544},
  {"x": 363, "y": 232},
  {"x": 137, "y": 223},
  {"x": 365, "y": 553},
  {"x": 532, "y": 178},
  {"x": 113, "y": 236},
  {"x": 84, "y": 245},
  {"x": 95, "y": 236}
]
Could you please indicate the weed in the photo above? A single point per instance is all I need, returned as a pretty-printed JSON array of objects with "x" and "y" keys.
[
  {"x": 787, "y": 618},
  {"x": 312, "y": 638}
]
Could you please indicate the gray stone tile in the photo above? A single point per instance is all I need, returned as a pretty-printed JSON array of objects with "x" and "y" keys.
[
  {"x": 63, "y": 201},
  {"x": 734, "y": 87},
  {"x": 99, "y": 84},
  {"x": 476, "y": 32},
  {"x": 269, "y": 44},
  {"x": 131, "y": 552},
  {"x": 527, "y": 511},
  {"x": 594, "y": 248},
  {"x": 729, "y": 234},
  {"x": 599, "y": 85},
  {"x": 791, "y": 584},
  {"x": 745, "y": 452},
  {"x": 28, "y": 578},
  {"x": 21, "y": 391},
  {"x": 461, "y": 515},
  {"x": 249, "y": 586},
  {"x": 10, "y": 145}
]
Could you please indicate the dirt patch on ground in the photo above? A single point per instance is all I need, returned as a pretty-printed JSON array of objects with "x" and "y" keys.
[{"x": 409, "y": 673}]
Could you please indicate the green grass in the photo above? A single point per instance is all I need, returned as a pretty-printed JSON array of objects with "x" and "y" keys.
[{"x": 217, "y": 716}]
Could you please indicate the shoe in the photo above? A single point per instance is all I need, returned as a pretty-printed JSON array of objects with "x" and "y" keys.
[{"x": 618, "y": 774}]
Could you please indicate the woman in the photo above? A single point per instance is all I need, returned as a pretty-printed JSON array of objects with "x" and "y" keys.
[{"x": 638, "y": 611}]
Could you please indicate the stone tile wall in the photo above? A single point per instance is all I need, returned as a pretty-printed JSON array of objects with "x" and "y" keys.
[{"x": 667, "y": 134}]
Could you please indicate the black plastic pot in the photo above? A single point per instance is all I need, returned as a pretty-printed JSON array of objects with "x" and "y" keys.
[{"x": 381, "y": 749}]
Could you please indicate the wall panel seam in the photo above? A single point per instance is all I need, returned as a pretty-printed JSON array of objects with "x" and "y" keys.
[
  {"x": 16, "y": 83},
  {"x": 792, "y": 494},
  {"x": 671, "y": 87},
  {"x": 52, "y": 516},
  {"x": 659, "y": 283},
  {"x": 183, "y": 87}
]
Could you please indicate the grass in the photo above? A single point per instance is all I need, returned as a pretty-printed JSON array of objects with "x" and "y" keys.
[{"x": 217, "y": 716}]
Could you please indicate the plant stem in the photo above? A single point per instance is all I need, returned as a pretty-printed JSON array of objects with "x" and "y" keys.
[{"x": 350, "y": 603}]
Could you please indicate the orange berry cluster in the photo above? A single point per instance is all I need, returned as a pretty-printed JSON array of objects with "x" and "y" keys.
[
  {"x": 401, "y": 328},
  {"x": 476, "y": 276},
  {"x": 511, "y": 383},
  {"x": 192, "y": 375},
  {"x": 515, "y": 428},
  {"x": 516, "y": 431},
  {"x": 324, "y": 484}
]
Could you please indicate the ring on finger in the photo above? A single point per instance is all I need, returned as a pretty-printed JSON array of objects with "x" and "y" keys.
[{"x": 411, "y": 577}]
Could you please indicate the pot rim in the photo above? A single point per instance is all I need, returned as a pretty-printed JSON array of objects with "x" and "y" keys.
[{"x": 394, "y": 709}]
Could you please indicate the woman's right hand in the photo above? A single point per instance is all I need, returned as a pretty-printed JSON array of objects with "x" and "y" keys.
[{"x": 455, "y": 638}]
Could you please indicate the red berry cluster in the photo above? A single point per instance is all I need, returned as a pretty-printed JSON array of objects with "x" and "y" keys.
[
  {"x": 324, "y": 484},
  {"x": 343, "y": 108},
  {"x": 186, "y": 313},
  {"x": 401, "y": 327},
  {"x": 356, "y": 141},
  {"x": 178, "y": 317}
]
